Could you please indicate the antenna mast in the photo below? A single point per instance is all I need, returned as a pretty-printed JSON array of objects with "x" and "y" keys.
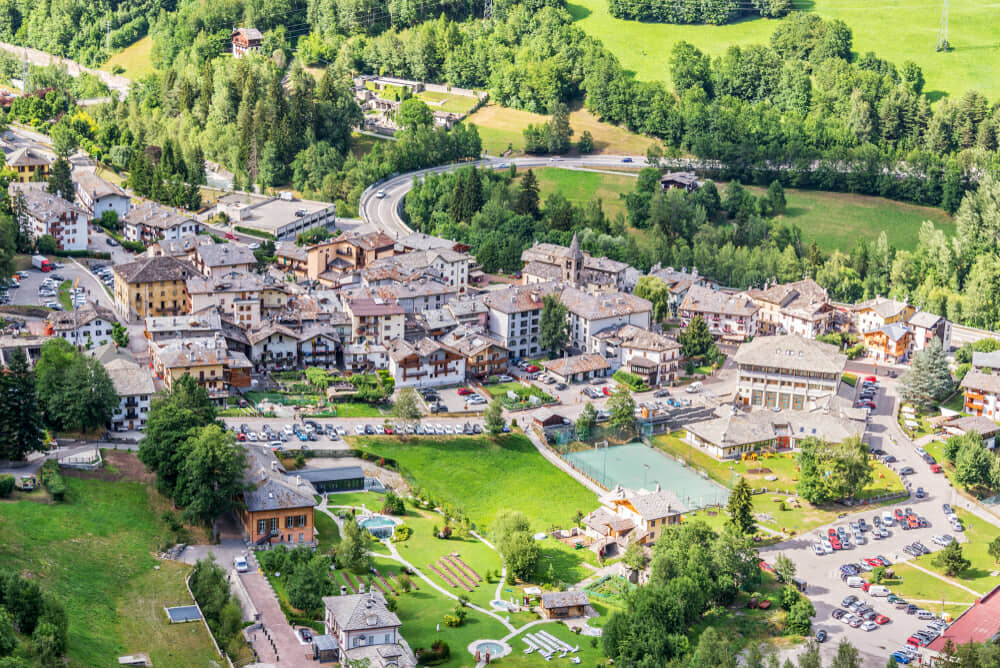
[
  {"x": 487, "y": 10},
  {"x": 942, "y": 40}
]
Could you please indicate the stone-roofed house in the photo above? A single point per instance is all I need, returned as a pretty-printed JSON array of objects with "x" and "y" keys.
[
  {"x": 982, "y": 393},
  {"x": 802, "y": 307},
  {"x": 564, "y": 604},
  {"x": 653, "y": 357},
  {"x": 592, "y": 313},
  {"x": 375, "y": 320},
  {"x": 425, "y": 363},
  {"x": 485, "y": 354},
  {"x": 985, "y": 427},
  {"x": 366, "y": 629},
  {"x": 133, "y": 384},
  {"x": 88, "y": 325},
  {"x": 418, "y": 241},
  {"x": 148, "y": 222},
  {"x": 788, "y": 371},
  {"x": 686, "y": 181},
  {"x": 434, "y": 323},
  {"x": 578, "y": 368},
  {"x": 514, "y": 315},
  {"x": 889, "y": 343},
  {"x": 469, "y": 310},
  {"x": 152, "y": 286},
  {"x": 214, "y": 259},
  {"x": 418, "y": 294},
  {"x": 274, "y": 346},
  {"x": 277, "y": 507},
  {"x": 292, "y": 258},
  {"x": 318, "y": 346},
  {"x": 628, "y": 516},
  {"x": 729, "y": 316},
  {"x": 349, "y": 252},
  {"x": 679, "y": 282},
  {"x": 732, "y": 436},
  {"x": 208, "y": 360},
  {"x": 245, "y": 40},
  {"x": 48, "y": 214},
  {"x": 927, "y": 327},
  {"x": 182, "y": 248},
  {"x": 28, "y": 164},
  {"x": 444, "y": 264},
  {"x": 97, "y": 195},
  {"x": 236, "y": 295},
  {"x": 198, "y": 324},
  {"x": 987, "y": 362}
]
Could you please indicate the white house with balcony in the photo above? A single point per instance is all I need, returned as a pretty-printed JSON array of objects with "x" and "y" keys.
[
  {"x": 366, "y": 631},
  {"x": 728, "y": 315},
  {"x": 274, "y": 346},
  {"x": 425, "y": 363}
]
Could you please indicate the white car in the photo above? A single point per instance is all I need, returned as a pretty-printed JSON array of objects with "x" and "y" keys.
[
  {"x": 240, "y": 564},
  {"x": 252, "y": 436},
  {"x": 341, "y": 431},
  {"x": 504, "y": 379},
  {"x": 869, "y": 626},
  {"x": 254, "y": 246},
  {"x": 380, "y": 430},
  {"x": 827, "y": 548},
  {"x": 359, "y": 429},
  {"x": 925, "y": 614},
  {"x": 288, "y": 429},
  {"x": 942, "y": 540},
  {"x": 887, "y": 519},
  {"x": 380, "y": 194},
  {"x": 448, "y": 430},
  {"x": 439, "y": 429}
]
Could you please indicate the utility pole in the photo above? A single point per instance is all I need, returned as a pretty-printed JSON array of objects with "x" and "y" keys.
[
  {"x": 942, "y": 40},
  {"x": 487, "y": 10},
  {"x": 26, "y": 78}
]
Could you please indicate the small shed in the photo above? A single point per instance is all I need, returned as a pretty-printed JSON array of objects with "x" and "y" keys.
[
  {"x": 686, "y": 181},
  {"x": 341, "y": 479},
  {"x": 546, "y": 419},
  {"x": 325, "y": 648},
  {"x": 564, "y": 604}
]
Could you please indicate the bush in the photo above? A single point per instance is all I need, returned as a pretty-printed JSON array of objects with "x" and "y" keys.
[
  {"x": 393, "y": 504},
  {"x": 52, "y": 480},
  {"x": 438, "y": 653},
  {"x": 6, "y": 485},
  {"x": 401, "y": 533},
  {"x": 253, "y": 233}
]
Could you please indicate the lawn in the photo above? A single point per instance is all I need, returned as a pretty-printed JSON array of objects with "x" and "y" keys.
[
  {"x": 135, "y": 59},
  {"x": 327, "y": 530},
  {"x": 64, "y": 298},
  {"x": 919, "y": 586},
  {"x": 361, "y": 144},
  {"x": 850, "y": 378},
  {"x": 644, "y": 48},
  {"x": 501, "y": 389},
  {"x": 94, "y": 552},
  {"x": 501, "y": 128},
  {"x": 580, "y": 187},
  {"x": 956, "y": 402},
  {"x": 483, "y": 476},
  {"x": 980, "y": 533},
  {"x": 356, "y": 410},
  {"x": 450, "y": 102}
]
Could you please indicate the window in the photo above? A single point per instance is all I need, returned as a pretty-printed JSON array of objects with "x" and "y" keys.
[
  {"x": 261, "y": 527},
  {"x": 289, "y": 522},
  {"x": 274, "y": 524}
]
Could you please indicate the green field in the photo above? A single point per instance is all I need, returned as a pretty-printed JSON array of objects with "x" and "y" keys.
[
  {"x": 978, "y": 576},
  {"x": 482, "y": 476},
  {"x": 456, "y": 104},
  {"x": 833, "y": 220},
  {"x": 897, "y": 31},
  {"x": 94, "y": 552},
  {"x": 134, "y": 58}
]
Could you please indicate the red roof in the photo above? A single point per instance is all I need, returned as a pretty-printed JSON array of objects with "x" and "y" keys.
[{"x": 977, "y": 624}]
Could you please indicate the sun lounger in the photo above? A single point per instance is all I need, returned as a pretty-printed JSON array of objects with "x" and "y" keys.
[{"x": 575, "y": 659}]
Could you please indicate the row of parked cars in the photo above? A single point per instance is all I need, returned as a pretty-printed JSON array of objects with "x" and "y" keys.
[
  {"x": 866, "y": 397},
  {"x": 106, "y": 275}
]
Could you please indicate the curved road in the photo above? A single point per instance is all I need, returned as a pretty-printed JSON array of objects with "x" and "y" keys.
[{"x": 383, "y": 212}]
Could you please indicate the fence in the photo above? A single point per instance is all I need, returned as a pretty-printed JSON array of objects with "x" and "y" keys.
[{"x": 223, "y": 655}]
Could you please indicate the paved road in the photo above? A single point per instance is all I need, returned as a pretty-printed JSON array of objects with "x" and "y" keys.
[
  {"x": 826, "y": 589},
  {"x": 115, "y": 82},
  {"x": 383, "y": 211}
]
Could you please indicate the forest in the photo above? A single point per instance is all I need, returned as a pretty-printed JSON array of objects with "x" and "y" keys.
[{"x": 715, "y": 12}]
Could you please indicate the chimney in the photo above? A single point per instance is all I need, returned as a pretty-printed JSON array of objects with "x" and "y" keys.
[
  {"x": 298, "y": 481},
  {"x": 274, "y": 466}
]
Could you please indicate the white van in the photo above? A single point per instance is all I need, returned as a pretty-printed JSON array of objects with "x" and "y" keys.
[
  {"x": 855, "y": 581},
  {"x": 878, "y": 590},
  {"x": 888, "y": 519}
]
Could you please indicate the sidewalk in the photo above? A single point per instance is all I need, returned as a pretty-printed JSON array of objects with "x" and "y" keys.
[{"x": 276, "y": 642}]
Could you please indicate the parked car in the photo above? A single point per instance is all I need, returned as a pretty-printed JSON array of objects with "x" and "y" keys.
[
  {"x": 906, "y": 470},
  {"x": 920, "y": 493},
  {"x": 821, "y": 636},
  {"x": 463, "y": 391},
  {"x": 240, "y": 564}
]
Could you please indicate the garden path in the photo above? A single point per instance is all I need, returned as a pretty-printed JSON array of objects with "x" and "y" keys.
[{"x": 944, "y": 579}]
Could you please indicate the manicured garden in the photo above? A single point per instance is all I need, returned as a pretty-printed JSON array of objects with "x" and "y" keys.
[
  {"x": 979, "y": 533},
  {"x": 94, "y": 552},
  {"x": 482, "y": 476},
  {"x": 501, "y": 389}
]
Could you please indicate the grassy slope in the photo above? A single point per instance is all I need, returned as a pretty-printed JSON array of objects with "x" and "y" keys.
[
  {"x": 581, "y": 187},
  {"x": 644, "y": 47},
  {"x": 94, "y": 553},
  {"x": 500, "y": 127},
  {"x": 134, "y": 58},
  {"x": 484, "y": 477}
]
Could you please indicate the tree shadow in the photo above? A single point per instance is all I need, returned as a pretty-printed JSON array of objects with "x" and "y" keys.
[
  {"x": 578, "y": 12},
  {"x": 935, "y": 95},
  {"x": 795, "y": 211}
]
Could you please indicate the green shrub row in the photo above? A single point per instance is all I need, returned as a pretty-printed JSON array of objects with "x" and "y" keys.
[
  {"x": 254, "y": 233},
  {"x": 635, "y": 383},
  {"x": 52, "y": 480}
]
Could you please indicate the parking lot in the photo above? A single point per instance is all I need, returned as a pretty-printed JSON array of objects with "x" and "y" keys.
[
  {"x": 343, "y": 427},
  {"x": 28, "y": 295},
  {"x": 822, "y": 573}
]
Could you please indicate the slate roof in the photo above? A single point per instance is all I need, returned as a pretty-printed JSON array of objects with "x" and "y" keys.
[
  {"x": 632, "y": 336},
  {"x": 984, "y": 382},
  {"x": 883, "y": 306},
  {"x": 894, "y": 331},
  {"x": 231, "y": 282},
  {"x": 421, "y": 241},
  {"x": 706, "y": 300},
  {"x": 43, "y": 205},
  {"x": 564, "y": 599},
  {"x": 151, "y": 214},
  {"x": 986, "y": 360},
  {"x": 925, "y": 320},
  {"x": 977, "y": 423},
  {"x": 370, "y": 307},
  {"x": 270, "y": 487},
  {"x": 359, "y": 612},
  {"x": 567, "y": 366},
  {"x": 469, "y": 342},
  {"x": 96, "y": 187},
  {"x": 400, "y": 349},
  {"x": 27, "y": 157},
  {"x": 67, "y": 320},
  {"x": 154, "y": 269},
  {"x": 793, "y": 352},
  {"x": 763, "y": 425},
  {"x": 128, "y": 378},
  {"x": 225, "y": 255},
  {"x": 519, "y": 298}
]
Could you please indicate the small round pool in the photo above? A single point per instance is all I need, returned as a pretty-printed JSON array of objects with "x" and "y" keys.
[
  {"x": 499, "y": 605},
  {"x": 495, "y": 648}
]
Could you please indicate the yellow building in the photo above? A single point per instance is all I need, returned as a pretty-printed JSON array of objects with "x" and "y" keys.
[
  {"x": 207, "y": 360},
  {"x": 152, "y": 286},
  {"x": 28, "y": 163}
]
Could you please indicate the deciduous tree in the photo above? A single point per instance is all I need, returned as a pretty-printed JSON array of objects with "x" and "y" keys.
[
  {"x": 553, "y": 328},
  {"x": 493, "y": 420},
  {"x": 621, "y": 405},
  {"x": 212, "y": 474}
]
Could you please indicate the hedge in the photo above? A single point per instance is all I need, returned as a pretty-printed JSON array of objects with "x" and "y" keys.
[
  {"x": 635, "y": 383},
  {"x": 52, "y": 480},
  {"x": 254, "y": 233},
  {"x": 97, "y": 255}
]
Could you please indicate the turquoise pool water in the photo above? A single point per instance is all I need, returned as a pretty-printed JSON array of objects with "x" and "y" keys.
[{"x": 380, "y": 527}]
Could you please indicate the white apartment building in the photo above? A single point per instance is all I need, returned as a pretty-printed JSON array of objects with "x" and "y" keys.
[
  {"x": 593, "y": 313},
  {"x": 148, "y": 222},
  {"x": 374, "y": 320},
  {"x": 425, "y": 363},
  {"x": 97, "y": 196},
  {"x": 133, "y": 384},
  {"x": 49, "y": 214},
  {"x": 274, "y": 346},
  {"x": 236, "y": 295},
  {"x": 514, "y": 316},
  {"x": 802, "y": 308},
  {"x": 654, "y": 357},
  {"x": 89, "y": 325}
]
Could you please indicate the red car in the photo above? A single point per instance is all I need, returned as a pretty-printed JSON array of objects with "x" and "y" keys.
[
  {"x": 241, "y": 437},
  {"x": 533, "y": 369},
  {"x": 606, "y": 390},
  {"x": 871, "y": 379},
  {"x": 835, "y": 543},
  {"x": 935, "y": 468},
  {"x": 231, "y": 236},
  {"x": 881, "y": 619},
  {"x": 873, "y": 562},
  {"x": 899, "y": 514},
  {"x": 462, "y": 391},
  {"x": 388, "y": 430},
  {"x": 831, "y": 533},
  {"x": 764, "y": 566}
]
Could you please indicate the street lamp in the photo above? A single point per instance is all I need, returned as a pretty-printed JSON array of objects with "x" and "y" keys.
[{"x": 645, "y": 471}]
